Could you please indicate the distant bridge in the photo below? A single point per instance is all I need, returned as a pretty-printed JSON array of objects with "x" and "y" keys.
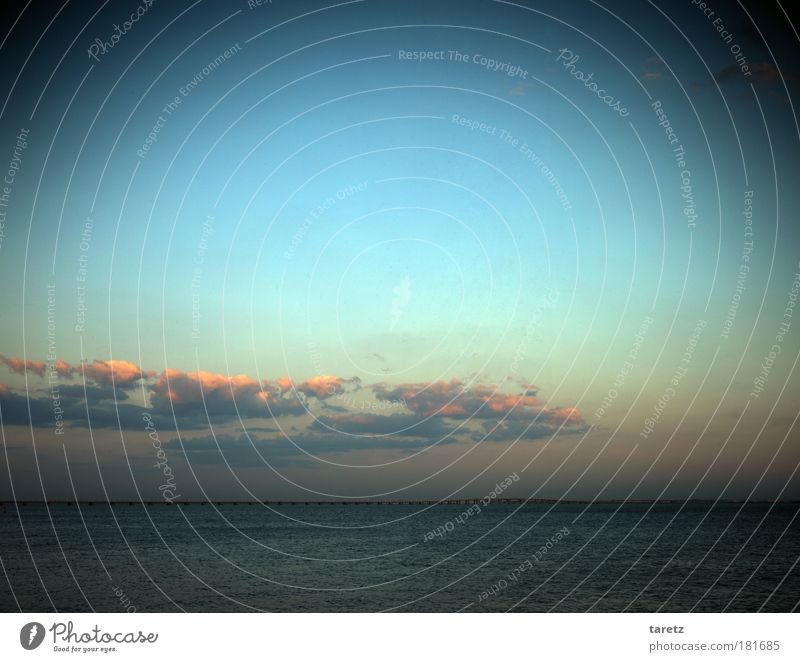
[
  {"x": 360, "y": 502},
  {"x": 285, "y": 502}
]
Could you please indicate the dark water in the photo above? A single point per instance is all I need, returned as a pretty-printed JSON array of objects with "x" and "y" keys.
[{"x": 568, "y": 557}]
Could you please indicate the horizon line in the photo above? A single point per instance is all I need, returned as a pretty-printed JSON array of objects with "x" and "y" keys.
[{"x": 373, "y": 502}]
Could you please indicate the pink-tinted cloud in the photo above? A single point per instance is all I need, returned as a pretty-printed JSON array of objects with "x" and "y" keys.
[
  {"x": 196, "y": 396},
  {"x": 220, "y": 395},
  {"x": 184, "y": 388},
  {"x": 284, "y": 383},
  {"x": 120, "y": 373},
  {"x": 506, "y": 416},
  {"x": 566, "y": 415},
  {"x": 21, "y": 366},
  {"x": 181, "y": 387},
  {"x": 319, "y": 386},
  {"x": 322, "y": 386},
  {"x": 63, "y": 369},
  {"x": 454, "y": 400}
]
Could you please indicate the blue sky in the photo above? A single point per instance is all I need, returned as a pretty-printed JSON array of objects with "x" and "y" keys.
[{"x": 320, "y": 205}]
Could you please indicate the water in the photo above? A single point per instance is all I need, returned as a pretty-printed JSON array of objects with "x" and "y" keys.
[{"x": 567, "y": 557}]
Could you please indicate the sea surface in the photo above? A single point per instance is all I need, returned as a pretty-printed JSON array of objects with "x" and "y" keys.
[{"x": 537, "y": 557}]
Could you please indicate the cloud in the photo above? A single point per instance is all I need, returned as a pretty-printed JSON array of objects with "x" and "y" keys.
[
  {"x": 115, "y": 371},
  {"x": 71, "y": 404},
  {"x": 21, "y": 366},
  {"x": 654, "y": 68},
  {"x": 454, "y": 400},
  {"x": 191, "y": 400},
  {"x": 327, "y": 406},
  {"x": 126, "y": 417},
  {"x": 505, "y": 416},
  {"x": 520, "y": 89},
  {"x": 63, "y": 369},
  {"x": 550, "y": 422},
  {"x": 761, "y": 72},
  {"x": 18, "y": 409},
  {"x": 376, "y": 424},
  {"x": 220, "y": 396},
  {"x": 177, "y": 397},
  {"x": 764, "y": 73},
  {"x": 93, "y": 394},
  {"x": 319, "y": 386},
  {"x": 322, "y": 386},
  {"x": 105, "y": 373}
]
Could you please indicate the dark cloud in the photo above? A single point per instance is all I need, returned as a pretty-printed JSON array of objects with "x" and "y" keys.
[
  {"x": 760, "y": 72},
  {"x": 327, "y": 406},
  {"x": 520, "y": 430},
  {"x": 18, "y": 409},
  {"x": 93, "y": 394},
  {"x": 654, "y": 68},
  {"x": 356, "y": 423},
  {"x": 69, "y": 403},
  {"x": 455, "y": 400}
]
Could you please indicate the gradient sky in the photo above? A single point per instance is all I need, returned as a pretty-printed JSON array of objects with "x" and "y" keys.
[{"x": 337, "y": 271}]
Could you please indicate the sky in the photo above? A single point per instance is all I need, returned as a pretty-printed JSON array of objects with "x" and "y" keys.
[{"x": 399, "y": 249}]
